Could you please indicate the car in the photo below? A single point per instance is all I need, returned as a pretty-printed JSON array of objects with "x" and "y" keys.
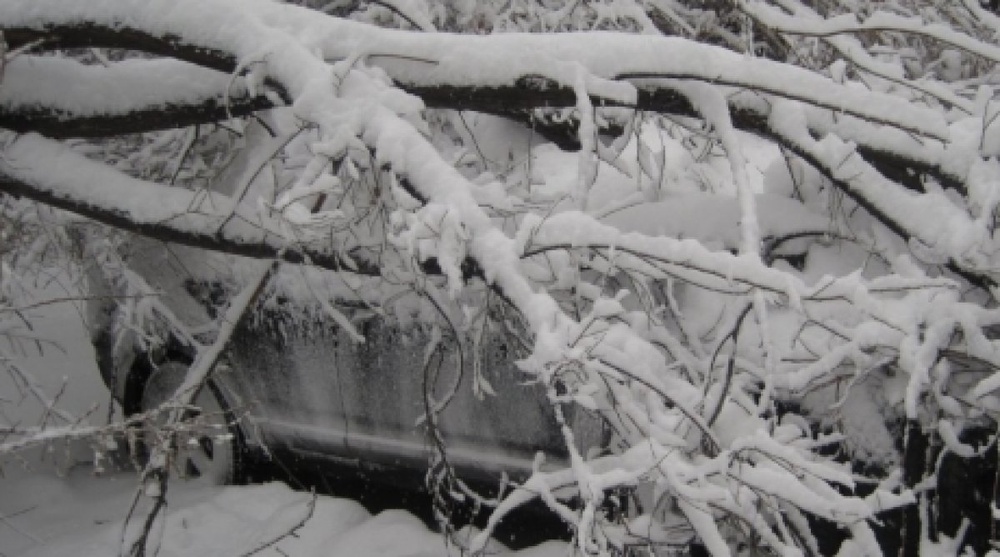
[{"x": 297, "y": 385}]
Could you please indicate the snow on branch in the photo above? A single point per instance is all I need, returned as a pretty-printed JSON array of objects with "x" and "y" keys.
[
  {"x": 691, "y": 261},
  {"x": 930, "y": 218},
  {"x": 878, "y": 21},
  {"x": 52, "y": 173},
  {"x": 124, "y": 97},
  {"x": 695, "y": 420},
  {"x": 850, "y": 47},
  {"x": 432, "y": 69},
  {"x": 450, "y": 67}
]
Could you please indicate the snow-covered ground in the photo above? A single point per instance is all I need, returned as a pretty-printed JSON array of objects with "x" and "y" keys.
[
  {"x": 55, "y": 505},
  {"x": 81, "y": 515}
]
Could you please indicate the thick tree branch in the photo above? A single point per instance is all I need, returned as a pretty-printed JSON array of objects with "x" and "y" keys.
[
  {"x": 604, "y": 352},
  {"x": 49, "y": 173},
  {"x": 58, "y": 124},
  {"x": 60, "y": 97},
  {"x": 894, "y": 218},
  {"x": 93, "y": 35},
  {"x": 264, "y": 247},
  {"x": 508, "y": 102},
  {"x": 529, "y": 91},
  {"x": 526, "y": 92}
]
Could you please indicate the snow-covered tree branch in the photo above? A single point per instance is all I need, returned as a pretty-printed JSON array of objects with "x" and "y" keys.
[{"x": 765, "y": 274}]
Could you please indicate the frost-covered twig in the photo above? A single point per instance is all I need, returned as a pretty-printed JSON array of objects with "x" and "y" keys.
[{"x": 878, "y": 21}]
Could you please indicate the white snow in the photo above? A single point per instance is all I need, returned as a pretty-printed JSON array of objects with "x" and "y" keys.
[
  {"x": 501, "y": 59},
  {"x": 54, "y": 504},
  {"x": 119, "y": 89},
  {"x": 56, "y": 357},
  {"x": 79, "y": 515}
]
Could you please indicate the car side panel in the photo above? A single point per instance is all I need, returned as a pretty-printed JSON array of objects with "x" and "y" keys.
[{"x": 316, "y": 390}]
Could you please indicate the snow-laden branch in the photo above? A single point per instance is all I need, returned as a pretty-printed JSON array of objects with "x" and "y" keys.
[
  {"x": 850, "y": 48},
  {"x": 983, "y": 16},
  {"x": 419, "y": 61},
  {"x": 705, "y": 435},
  {"x": 450, "y": 71},
  {"x": 52, "y": 173},
  {"x": 133, "y": 95},
  {"x": 691, "y": 261},
  {"x": 504, "y": 59},
  {"x": 499, "y": 74},
  {"x": 878, "y": 21},
  {"x": 931, "y": 218}
]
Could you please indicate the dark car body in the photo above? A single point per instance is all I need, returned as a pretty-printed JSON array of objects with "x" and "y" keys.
[{"x": 305, "y": 387}]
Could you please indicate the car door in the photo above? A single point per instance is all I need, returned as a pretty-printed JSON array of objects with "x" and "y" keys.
[{"x": 317, "y": 392}]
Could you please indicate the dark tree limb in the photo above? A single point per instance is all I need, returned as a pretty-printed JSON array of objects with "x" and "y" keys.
[
  {"x": 265, "y": 246},
  {"x": 199, "y": 229},
  {"x": 89, "y": 35},
  {"x": 58, "y": 124},
  {"x": 529, "y": 92},
  {"x": 975, "y": 277},
  {"x": 514, "y": 103}
]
